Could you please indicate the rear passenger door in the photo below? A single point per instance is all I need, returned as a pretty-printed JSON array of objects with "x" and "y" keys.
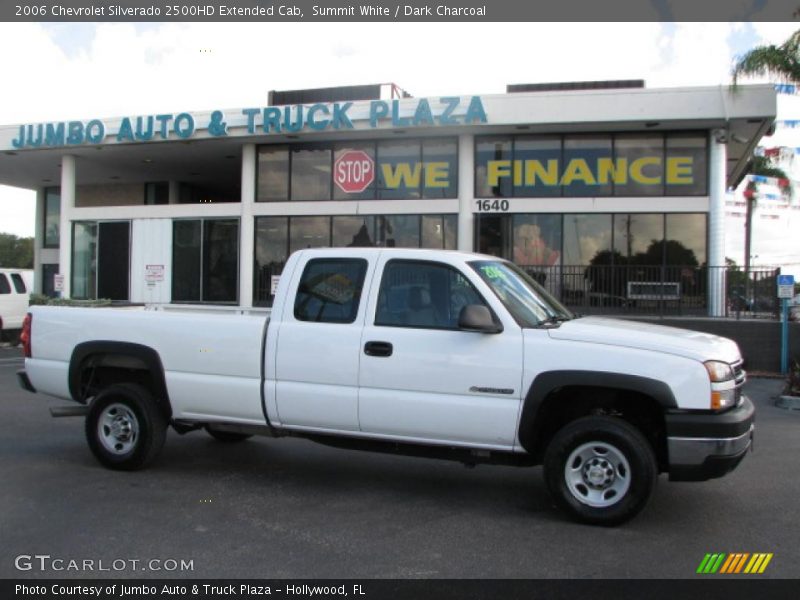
[
  {"x": 318, "y": 346},
  {"x": 422, "y": 378}
]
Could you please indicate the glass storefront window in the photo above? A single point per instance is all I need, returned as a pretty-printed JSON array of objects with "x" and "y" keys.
[
  {"x": 493, "y": 160},
  {"x": 404, "y": 169},
  {"x": 687, "y": 165},
  {"x": 621, "y": 164},
  {"x": 587, "y": 238},
  {"x": 186, "y": 252},
  {"x": 205, "y": 260},
  {"x": 273, "y": 173},
  {"x": 641, "y": 157},
  {"x": 309, "y": 232},
  {"x": 399, "y": 170},
  {"x": 439, "y": 231},
  {"x": 537, "y": 240},
  {"x": 353, "y": 232},
  {"x": 579, "y": 173},
  {"x": 397, "y": 231},
  {"x": 311, "y": 172},
  {"x": 538, "y": 172},
  {"x": 440, "y": 159},
  {"x": 84, "y": 260},
  {"x": 220, "y": 260},
  {"x": 271, "y": 247},
  {"x": 338, "y": 151},
  {"x": 52, "y": 217},
  {"x": 686, "y": 237},
  {"x": 638, "y": 238}
]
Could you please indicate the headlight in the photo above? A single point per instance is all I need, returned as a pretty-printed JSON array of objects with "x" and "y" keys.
[{"x": 718, "y": 371}]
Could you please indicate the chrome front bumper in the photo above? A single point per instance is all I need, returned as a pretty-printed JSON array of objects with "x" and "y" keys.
[{"x": 706, "y": 446}]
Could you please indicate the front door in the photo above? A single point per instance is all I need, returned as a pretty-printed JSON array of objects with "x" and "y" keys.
[{"x": 423, "y": 379}]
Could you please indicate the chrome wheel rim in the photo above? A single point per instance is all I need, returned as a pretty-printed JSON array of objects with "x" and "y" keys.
[
  {"x": 118, "y": 429},
  {"x": 597, "y": 474}
]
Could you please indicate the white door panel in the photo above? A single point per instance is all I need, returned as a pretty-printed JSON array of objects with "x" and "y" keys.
[
  {"x": 317, "y": 368},
  {"x": 318, "y": 345},
  {"x": 441, "y": 383}
]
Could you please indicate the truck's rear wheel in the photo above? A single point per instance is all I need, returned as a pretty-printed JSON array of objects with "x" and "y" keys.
[
  {"x": 125, "y": 427},
  {"x": 600, "y": 470}
]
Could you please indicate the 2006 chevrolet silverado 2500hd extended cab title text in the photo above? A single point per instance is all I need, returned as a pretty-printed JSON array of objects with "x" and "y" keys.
[{"x": 420, "y": 352}]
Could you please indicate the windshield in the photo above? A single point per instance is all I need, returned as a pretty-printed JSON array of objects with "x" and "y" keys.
[{"x": 527, "y": 301}]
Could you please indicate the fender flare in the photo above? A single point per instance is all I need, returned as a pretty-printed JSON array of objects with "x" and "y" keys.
[
  {"x": 545, "y": 383},
  {"x": 147, "y": 355}
]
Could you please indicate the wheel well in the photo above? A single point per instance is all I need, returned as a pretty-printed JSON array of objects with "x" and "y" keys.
[
  {"x": 568, "y": 403},
  {"x": 99, "y": 370}
]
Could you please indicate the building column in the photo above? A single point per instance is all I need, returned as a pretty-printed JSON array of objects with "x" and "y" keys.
[
  {"x": 466, "y": 192},
  {"x": 65, "y": 225},
  {"x": 174, "y": 194},
  {"x": 716, "y": 222},
  {"x": 247, "y": 227},
  {"x": 38, "y": 241}
]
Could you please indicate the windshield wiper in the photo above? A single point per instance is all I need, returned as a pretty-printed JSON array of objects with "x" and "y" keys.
[{"x": 554, "y": 320}]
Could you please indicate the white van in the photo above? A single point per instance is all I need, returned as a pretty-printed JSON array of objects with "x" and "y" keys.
[{"x": 16, "y": 286}]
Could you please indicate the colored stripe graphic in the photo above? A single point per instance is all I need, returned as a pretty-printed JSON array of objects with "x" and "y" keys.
[
  {"x": 711, "y": 563},
  {"x": 734, "y": 563}
]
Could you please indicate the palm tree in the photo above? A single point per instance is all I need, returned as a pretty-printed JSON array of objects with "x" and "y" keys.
[{"x": 779, "y": 62}]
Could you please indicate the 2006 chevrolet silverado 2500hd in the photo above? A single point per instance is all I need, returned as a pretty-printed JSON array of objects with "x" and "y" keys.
[{"x": 422, "y": 352}]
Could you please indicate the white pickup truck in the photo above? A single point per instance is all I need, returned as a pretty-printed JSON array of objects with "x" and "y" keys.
[{"x": 420, "y": 352}]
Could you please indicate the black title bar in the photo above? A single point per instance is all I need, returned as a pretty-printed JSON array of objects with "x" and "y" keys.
[{"x": 394, "y": 10}]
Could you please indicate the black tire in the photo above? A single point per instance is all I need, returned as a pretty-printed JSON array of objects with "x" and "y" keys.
[
  {"x": 125, "y": 427},
  {"x": 612, "y": 474},
  {"x": 228, "y": 437}
]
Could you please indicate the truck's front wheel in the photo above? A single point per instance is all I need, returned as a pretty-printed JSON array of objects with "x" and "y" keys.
[
  {"x": 600, "y": 470},
  {"x": 125, "y": 427}
]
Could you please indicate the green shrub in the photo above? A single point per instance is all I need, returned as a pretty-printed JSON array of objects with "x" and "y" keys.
[{"x": 42, "y": 300}]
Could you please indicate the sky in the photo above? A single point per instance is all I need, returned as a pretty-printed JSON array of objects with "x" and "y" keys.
[{"x": 63, "y": 71}]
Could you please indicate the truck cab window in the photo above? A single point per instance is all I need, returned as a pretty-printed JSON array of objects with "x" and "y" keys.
[
  {"x": 330, "y": 290},
  {"x": 423, "y": 294}
]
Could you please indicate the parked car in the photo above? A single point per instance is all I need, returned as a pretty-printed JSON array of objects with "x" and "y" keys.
[
  {"x": 16, "y": 285},
  {"x": 420, "y": 352}
]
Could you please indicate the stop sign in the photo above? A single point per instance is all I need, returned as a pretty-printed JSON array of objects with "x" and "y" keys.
[{"x": 354, "y": 171}]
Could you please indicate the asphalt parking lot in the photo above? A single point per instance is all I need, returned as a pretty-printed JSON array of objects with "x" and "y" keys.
[{"x": 288, "y": 508}]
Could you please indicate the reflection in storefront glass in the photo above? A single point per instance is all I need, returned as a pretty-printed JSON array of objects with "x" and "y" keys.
[
  {"x": 638, "y": 237},
  {"x": 309, "y": 232},
  {"x": 353, "y": 232},
  {"x": 84, "y": 260},
  {"x": 586, "y": 238},
  {"x": 686, "y": 239},
  {"x": 397, "y": 231},
  {"x": 537, "y": 240},
  {"x": 273, "y": 173},
  {"x": 311, "y": 173}
]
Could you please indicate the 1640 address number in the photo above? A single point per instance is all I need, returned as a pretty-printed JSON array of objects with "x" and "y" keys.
[{"x": 492, "y": 205}]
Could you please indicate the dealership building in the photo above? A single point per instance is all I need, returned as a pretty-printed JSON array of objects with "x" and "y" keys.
[{"x": 604, "y": 191}]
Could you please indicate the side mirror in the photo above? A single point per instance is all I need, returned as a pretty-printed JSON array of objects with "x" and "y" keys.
[{"x": 476, "y": 317}]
